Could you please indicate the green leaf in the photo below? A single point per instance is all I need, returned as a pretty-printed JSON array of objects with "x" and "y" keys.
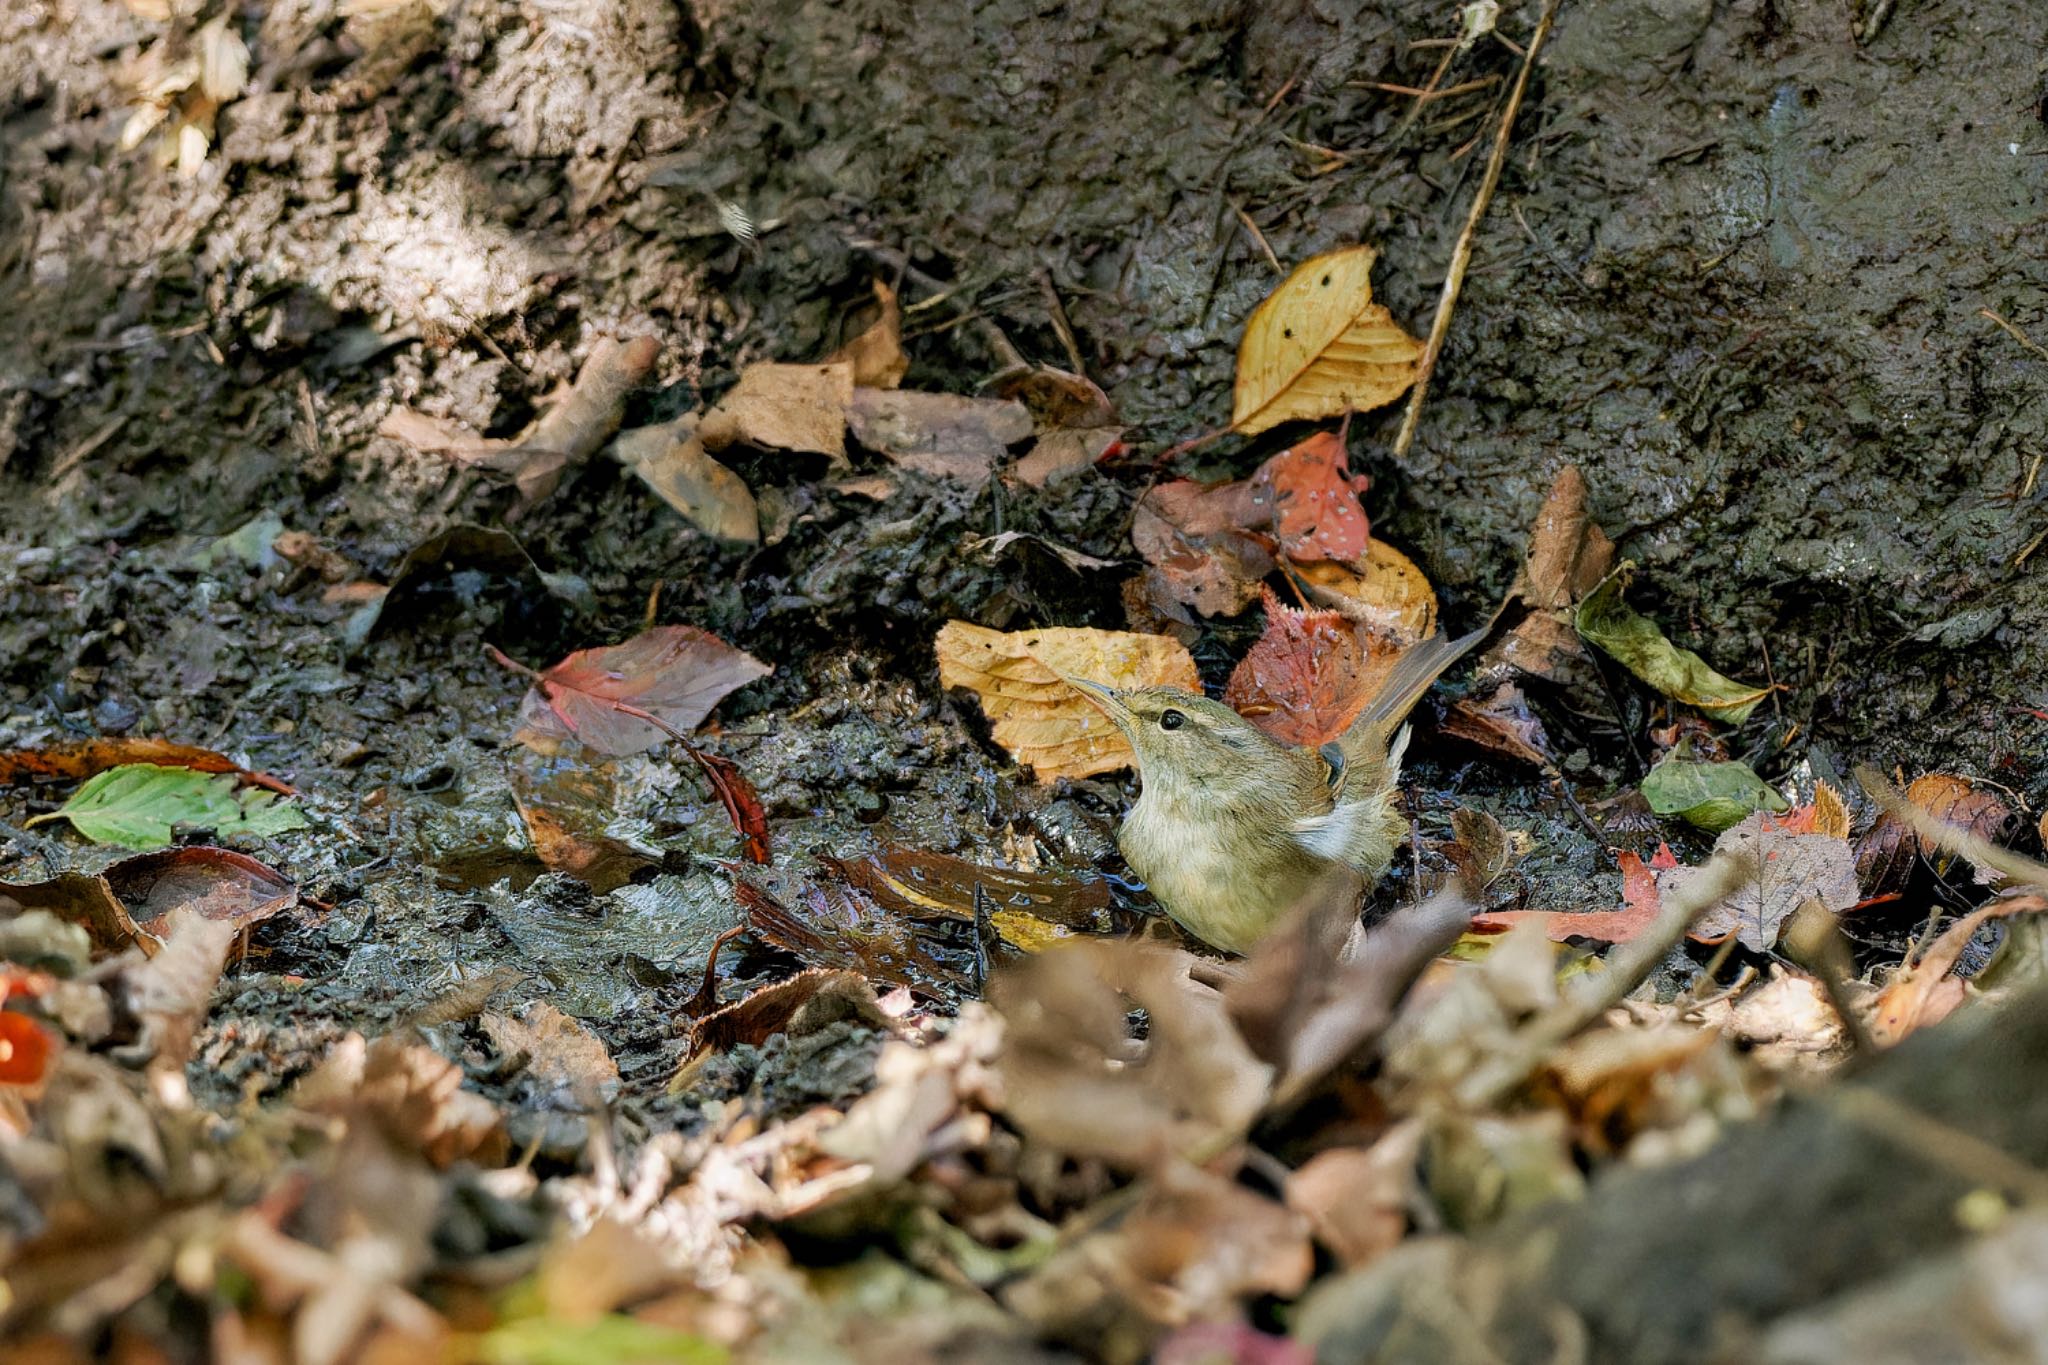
[
  {"x": 1634, "y": 640},
  {"x": 1714, "y": 796},
  {"x": 137, "y": 805}
]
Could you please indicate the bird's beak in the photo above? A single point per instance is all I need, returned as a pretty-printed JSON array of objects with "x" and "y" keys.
[{"x": 1105, "y": 697}]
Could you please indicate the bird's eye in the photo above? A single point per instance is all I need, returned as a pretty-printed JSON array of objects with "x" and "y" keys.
[{"x": 1171, "y": 720}]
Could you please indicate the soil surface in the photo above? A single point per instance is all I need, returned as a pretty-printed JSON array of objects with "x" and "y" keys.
[{"x": 1737, "y": 270}]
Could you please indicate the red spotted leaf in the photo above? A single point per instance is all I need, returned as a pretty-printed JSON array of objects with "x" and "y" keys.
[
  {"x": 628, "y": 698},
  {"x": 1313, "y": 500}
]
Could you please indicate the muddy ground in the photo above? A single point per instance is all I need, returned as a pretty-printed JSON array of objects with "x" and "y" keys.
[{"x": 1736, "y": 271}]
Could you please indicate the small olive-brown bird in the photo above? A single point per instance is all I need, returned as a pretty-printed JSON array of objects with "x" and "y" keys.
[{"x": 1233, "y": 828}]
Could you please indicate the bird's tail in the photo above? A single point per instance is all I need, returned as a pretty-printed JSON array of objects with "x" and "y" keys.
[{"x": 1412, "y": 675}]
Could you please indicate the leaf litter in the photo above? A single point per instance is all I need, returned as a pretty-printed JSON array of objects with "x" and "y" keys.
[{"x": 1132, "y": 1149}]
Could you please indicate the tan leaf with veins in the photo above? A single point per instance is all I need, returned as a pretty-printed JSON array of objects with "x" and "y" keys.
[
  {"x": 1037, "y": 718},
  {"x": 1320, "y": 347}
]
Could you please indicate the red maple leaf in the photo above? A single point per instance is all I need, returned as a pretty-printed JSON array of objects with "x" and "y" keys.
[{"x": 1305, "y": 679}]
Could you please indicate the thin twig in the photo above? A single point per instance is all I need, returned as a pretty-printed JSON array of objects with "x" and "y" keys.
[
  {"x": 2017, "y": 335},
  {"x": 1461, "y": 255}
]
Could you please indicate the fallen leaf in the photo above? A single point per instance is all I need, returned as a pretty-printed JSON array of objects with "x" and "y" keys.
[
  {"x": 1075, "y": 1080},
  {"x": 567, "y": 808},
  {"x": 213, "y": 883},
  {"x": 411, "y": 1094},
  {"x": 1635, "y": 641},
  {"x": 1063, "y": 453},
  {"x": 941, "y": 435},
  {"x": 1502, "y": 723},
  {"x": 1641, "y": 900},
  {"x": 170, "y": 992},
  {"x": 876, "y": 354},
  {"x": 1318, "y": 991},
  {"x": 1382, "y": 589},
  {"x": 1057, "y": 398},
  {"x": 1320, "y": 347},
  {"x": 1712, "y": 796},
  {"x": 1961, "y": 804},
  {"x": 83, "y": 758},
  {"x": 785, "y": 407},
  {"x": 919, "y": 881},
  {"x": 1199, "y": 558},
  {"x": 1357, "y": 1198},
  {"x": 1308, "y": 675},
  {"x": 1924, "y": 993},
  {"x": 742, "y": 805},
  {"x": 1192, "y": 1247},
  {"x": 1791, "y": 869},
  {"x": 801, "y": 1005},
  {"x": 1036, "y": 717},
  {"x": 561, "y": 1053},
  {"x": 631, "y": 697},
  {"x": 1313, "y": 497},
  {"x": 1568, "y": 557},
  {"x": 829, "y": 923},
  {"x": 569, "y": 432},
  {"x": 671, "y": 460},
  {"x": 137, "y": 806},
  {"x": 490, "y": 549}
]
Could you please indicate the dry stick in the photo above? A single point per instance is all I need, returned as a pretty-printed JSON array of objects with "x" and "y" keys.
[
  {"x": 1461, "y": 255},
  {"x": 1721, "y": 877}
]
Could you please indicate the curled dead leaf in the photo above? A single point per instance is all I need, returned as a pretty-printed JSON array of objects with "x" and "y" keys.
[
  {"x": 1035, "y": 716},
  {"x": 1382, "y": 589},
  {"x": 876, "y": 354},
  {"x": 1319, "y": 347}
]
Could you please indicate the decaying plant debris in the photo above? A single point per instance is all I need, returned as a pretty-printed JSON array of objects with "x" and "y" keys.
[{"x": 542, "y": 817}]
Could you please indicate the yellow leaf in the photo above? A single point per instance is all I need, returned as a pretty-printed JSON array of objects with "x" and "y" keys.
[
  {"x": 1037, "y": 718},
  {"x": 1384, "y": 591},
  {"x": 1319, "y": 347}
]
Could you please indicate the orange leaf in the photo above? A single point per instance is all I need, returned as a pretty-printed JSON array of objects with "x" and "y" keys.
[
  {"x": 24, "y": 1049},
  {"x": 1641, "y": 903},
  {"x": 83, "y": 758},
  {"x": 1314, "y": 499}
]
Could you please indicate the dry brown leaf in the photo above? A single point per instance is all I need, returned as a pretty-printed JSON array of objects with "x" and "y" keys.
[
  {"x": 1925, "y": 993},
  {"x": 1037, "y": 718},
  {"x": 785, "y": 407},
  {"x": 671, "y": 460},
  {"x": 1075, "y": 1080},
  {"x": 1791, "y": 868},
  {"x": 1830, "y": 812},
  {"x": 1357, "y": 1198},
  {"x": 1384, "y": 590},
  {"x": 561, "y": 1052},
  {"x": 1306, "y": 678},
  {"x": 411, "y": 1094},
  {"x": 877, "y": 353},
  {"x": 1064, "y": 452},
  {"x": 1568, "y": 557},
  {"x": 943, "y": 435},
  {"x": 1199, "y": 554},
  {"x": 1502, "y": 723},
  {"x": 1319, "y": 347}
]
